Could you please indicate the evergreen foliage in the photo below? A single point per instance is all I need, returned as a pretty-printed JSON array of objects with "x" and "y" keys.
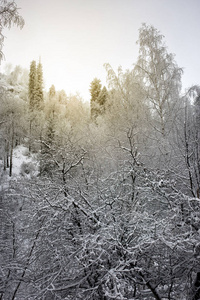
[
  {"x": 98, "y": 98},
  {"x": 32, "y": 85},
  {"x": 102, "y": 99},
  {"x": 36, "y": 96},
  {"x": 52, "y": 92},
  {"x": 39, "y": 98}
]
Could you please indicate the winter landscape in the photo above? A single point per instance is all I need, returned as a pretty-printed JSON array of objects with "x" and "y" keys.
[{"x": 100, "y": 199}]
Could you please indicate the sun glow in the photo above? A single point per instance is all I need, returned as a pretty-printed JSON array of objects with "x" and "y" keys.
[{"x": 73, "y": 79}]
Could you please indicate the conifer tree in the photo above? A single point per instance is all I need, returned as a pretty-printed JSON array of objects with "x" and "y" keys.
[
  {"x": 98, "y": 98},
  {"x": 52, "y": 92},
  {"x": 36, "y": 86},
  {"x": 39, "y": 98},
  {"x": 102, "y": 100},
  {"x": 32, "y": 84},
  {"x": 95, "y": 90},
  {"x": 51, "y": 114}
]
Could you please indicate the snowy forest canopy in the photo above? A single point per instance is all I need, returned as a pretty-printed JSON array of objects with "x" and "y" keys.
[{"x": 105, "y": 203}]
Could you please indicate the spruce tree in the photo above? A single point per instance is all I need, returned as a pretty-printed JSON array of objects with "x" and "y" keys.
[
  {"x": 39, "y": 98},
  {"x": 52, "y": 92},
  {"x": 98, "y": 98},
  {"x": 95, "y": 90},
  {"x": 102, "y": 100},
  {"x": 36, "y": 86},
  {"x": 32, "y": 84},
  {"x": 51, "y": 115}
]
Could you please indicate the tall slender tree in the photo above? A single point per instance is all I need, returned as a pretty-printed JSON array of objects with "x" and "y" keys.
[
  {"x": 102, "y": 99},
  {"x": 52, "y": 92},
  {"x": 32, "y": 84},
  {"x": 36, "y": 86},
  {"x": 161, "y": 77},
  {"x": 95, "y": 91},
  {"x": 39, "y": 98}
]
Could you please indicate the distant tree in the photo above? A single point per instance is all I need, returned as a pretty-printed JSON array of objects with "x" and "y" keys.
[
  {"x": 52, "y": 104},
  {"x": 9, "y": 16},
  {"x": 8, "y": 69},
  {"x": 160, "y": 76},
  {"x": 36, "y": 101},
  {"x": 95, "y": 90},
  {"x": 36, "y": 96},
  {"x": 51, "y": 115},
  {"x": 39, "y": 98},
  {"x": 101, "y": 100},
  {"x": 98, "y": 98},
  {"x": 62, "y": 97},
  {"x": 15, "y": 75},
  {"x": 52, "y": 92},
  {"x": 32, "y": 84},
  {"x": 126, "y": 102}
]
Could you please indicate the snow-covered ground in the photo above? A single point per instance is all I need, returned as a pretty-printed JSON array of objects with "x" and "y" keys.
[{"x": 25, "y": 164}]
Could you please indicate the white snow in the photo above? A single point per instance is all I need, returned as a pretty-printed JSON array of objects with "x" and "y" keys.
[{"x": 24, "y": 163}]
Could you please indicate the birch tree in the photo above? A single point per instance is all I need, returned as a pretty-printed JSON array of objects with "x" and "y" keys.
[{"x": 161, "y": 78}]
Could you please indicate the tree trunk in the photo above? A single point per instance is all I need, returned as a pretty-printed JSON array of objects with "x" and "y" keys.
[
  {"x": 11, "y": 151},
  {"x": 4, "y": 156},
  {"x": 7, "y": 154},
  {"x": 196, "y": 288},
  {"x": 30, "y": 136},
  {"x": 151, "y": 288}
]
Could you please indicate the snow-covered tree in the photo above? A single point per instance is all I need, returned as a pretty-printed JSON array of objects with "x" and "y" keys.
[
  {"x": 52, "y": 92},
  {"x": 161, "y": 78},
  {"x": 32, "y": 84},
  {"x": 9, "y": 16},
  {"x": 95, "y": 90},
  {"x": 36, "y": 97},
  {"x": 39, "y": 98}
]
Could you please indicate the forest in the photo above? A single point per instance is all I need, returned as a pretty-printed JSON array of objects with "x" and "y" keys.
[{"x": 109, "y": 206}]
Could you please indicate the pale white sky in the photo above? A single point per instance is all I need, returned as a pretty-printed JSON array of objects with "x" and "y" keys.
[{"x": 74, "y": 38}]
